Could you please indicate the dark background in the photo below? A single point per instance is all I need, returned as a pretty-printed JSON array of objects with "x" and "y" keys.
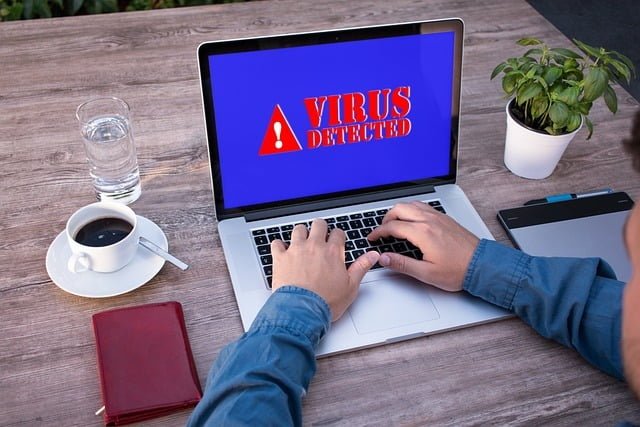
[{"x": 612, "y": 24}]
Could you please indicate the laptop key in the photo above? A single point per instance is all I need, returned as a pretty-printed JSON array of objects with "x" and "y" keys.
[
  {"x": 357, "y": 253},
  {"x": 258, "y": 232},
  {"x": 365, "y": 231},
  {"x": 269, "y": 280},
  {"x": 362, "y": 243},
  {"x": 266, "y": 259},
  {"x": 382, "y": 212},
  {"x": 385, "y": 248},
  {"x": 399, "y": 247},
  {"x": 356, "y": 223},
  {"x": 274, "y": 236},
  {"x": 268, "y": 270},
  {"x": 343, "y": 226},
  {"x": 264, "y": 249},
  {"x": 353, "y": 234},
  {"x": 261, "y": 240},
  {"x": 349, "y": 246},
  {"x": 355, "y": 216},
  {"x": 369, "y": 222},
  {"x": 342, "y": 218},
  {"x": 287, "y": 227},
  {"x": 369, "y": 214},
  {"x": 272, "y": 230}
]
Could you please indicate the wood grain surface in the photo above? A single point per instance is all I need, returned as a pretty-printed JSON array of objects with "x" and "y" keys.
[{"x": 495, "y": 374}]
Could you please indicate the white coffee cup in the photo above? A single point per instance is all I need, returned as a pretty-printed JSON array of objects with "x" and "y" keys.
[{"x": 99, "y": 239}]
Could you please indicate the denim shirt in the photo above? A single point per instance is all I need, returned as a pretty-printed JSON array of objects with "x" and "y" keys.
[{"x": 262, "y": 377}]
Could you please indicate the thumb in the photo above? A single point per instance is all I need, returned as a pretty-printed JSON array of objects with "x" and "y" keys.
[
  {"x": 404, "y": 264},
  {"x": 362, "y": 265}
]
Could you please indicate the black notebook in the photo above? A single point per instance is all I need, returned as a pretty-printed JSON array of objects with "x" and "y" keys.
[{"x": 584, "y": 227}]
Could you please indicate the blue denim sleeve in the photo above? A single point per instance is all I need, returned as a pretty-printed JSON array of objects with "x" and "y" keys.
[
  {"x": 261, "y": 378},
  {"x": 574, "y": 301}
]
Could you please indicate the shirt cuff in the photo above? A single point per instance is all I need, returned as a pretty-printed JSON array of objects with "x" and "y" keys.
[
  {"x": 494, "y": 273},
  {"x": 297, "y": 310}
]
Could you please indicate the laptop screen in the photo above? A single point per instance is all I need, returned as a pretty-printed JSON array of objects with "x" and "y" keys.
[{"x": 290, "y": 123}]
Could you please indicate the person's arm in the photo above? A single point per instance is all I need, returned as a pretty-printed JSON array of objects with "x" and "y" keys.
[
  {"x": 574, "y": 301},
  {"x": 261, "y": 378}
]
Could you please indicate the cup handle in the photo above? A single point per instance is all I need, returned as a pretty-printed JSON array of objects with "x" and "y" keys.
[{"x": 78, "y": 262}]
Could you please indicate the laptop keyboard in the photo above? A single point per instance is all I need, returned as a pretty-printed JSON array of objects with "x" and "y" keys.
[{"x": 356, "y": 226}]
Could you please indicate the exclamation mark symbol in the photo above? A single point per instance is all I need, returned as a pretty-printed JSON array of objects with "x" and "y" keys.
[{"x": 277, "y": 128}]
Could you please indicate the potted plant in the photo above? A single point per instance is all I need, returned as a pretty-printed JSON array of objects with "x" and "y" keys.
[{"x": 551, "y": 92}]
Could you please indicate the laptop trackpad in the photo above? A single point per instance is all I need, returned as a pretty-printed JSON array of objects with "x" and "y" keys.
[{"x": 390, "y": 303}]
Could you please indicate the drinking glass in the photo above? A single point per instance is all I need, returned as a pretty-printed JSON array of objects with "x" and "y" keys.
[{"x": 105, "y": 124}]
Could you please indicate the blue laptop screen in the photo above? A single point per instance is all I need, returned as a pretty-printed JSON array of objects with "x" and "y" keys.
[{"x": 299, "y": 122}]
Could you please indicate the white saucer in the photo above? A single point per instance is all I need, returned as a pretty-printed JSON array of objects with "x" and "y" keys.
[{"x": 90, "y": 284}]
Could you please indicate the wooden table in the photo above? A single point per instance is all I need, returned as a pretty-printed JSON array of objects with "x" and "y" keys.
[{"x": 500, "y": 373}]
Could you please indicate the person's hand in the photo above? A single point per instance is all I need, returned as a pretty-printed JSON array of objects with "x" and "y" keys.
[
  {"x": 315, "y": 262},
  {"x": 446, "y": 246}
]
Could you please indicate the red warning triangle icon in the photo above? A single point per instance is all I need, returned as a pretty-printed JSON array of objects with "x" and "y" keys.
[{"x": 279, "y": 137}]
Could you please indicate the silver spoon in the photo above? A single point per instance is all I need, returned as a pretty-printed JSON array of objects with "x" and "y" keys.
[{"x": 148, "y": 244}]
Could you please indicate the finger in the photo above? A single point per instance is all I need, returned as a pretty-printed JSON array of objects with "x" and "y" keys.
[
  {"x": 362, "y": 265},
  {"x": 405, "y": 265},
  {"x": 318, "y": 230},
  {"x": 299, "y": 233},
  {"x": 337, "y": 236},
  {"x": 278, "y": 247},
  {"x": 413, "y": 211},
  {"x": 397, "y": 229}
]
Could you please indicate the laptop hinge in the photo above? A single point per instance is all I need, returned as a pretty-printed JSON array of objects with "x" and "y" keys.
[{"x": 336, "y": 203}]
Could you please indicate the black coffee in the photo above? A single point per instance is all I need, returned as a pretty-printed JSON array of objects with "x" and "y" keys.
[{"x": 103, "y": 232}]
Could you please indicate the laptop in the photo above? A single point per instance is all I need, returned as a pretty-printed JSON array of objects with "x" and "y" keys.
[{"x": 340, "y": 125}]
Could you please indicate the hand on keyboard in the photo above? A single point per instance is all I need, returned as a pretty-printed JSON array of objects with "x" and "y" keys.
[
  {"x": 317, "y": 263},
  {"x": 446, "y": 246}
]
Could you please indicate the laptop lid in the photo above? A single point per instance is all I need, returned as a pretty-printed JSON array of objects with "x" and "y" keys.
[{"x": 314, "y": 120}]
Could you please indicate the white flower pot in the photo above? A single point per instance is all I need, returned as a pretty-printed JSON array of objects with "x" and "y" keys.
[{"x": 531, "y": 154}]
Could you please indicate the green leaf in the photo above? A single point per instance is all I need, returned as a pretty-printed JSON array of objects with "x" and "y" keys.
[
  {"x": 623, "y": 72},
  {"x": 584, "y": 107},
  {"x": 559, "y": 114},
  {"x": 611, "y": 99},
  {"x": 569, "y": 95},
  {"x": 498, "y": 70},
  {"x": 539, "y": 106},
  {"x": 566, "y": 53},
  {"x": 41, "y": 9},
  {"x": 589, "y": 126},
  {"x": 594, "y": 84},
  {"x": 528, "y": 42},
  {"x": 509, "y": 83},
  {"x": 15, "y": 12},
  {"x": 574, "y": 121},
  {"x": 589, "y": 50},
  {"x": 73, "y": 6},
  {"x": 626, "y": 61},
  {"x": 27, "y": 11},
  {"x": 551, "y": 74},
  {"x": 528, "y": 91},
  {"x": 535, "y": 51}
]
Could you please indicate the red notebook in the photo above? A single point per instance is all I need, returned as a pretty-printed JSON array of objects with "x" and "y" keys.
[{"x": 145, "y": 362}]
